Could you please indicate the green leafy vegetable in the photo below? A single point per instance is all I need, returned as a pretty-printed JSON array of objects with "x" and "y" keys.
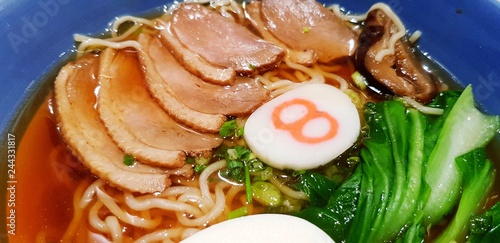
[
  {"x": 392, "y": 172},
  {"x": 336, "y": 217},
  {"x": 486, "y": 227},
  {"x": 464, "y": 129},
  {"x": 318, "y": 188},
  {"x": 414, "y": 170},
  {"x": 478, "y": 176}
]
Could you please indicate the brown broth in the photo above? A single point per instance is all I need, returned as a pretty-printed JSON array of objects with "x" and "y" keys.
[{"x": 47, "y": 177}]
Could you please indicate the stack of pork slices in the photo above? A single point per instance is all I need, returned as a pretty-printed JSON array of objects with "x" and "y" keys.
[{"x": 167, "y": 101}]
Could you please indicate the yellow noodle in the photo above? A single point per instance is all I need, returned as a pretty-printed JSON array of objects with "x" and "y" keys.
[
  {"x": 154, "y": 202},
  {"x": 138, "y": 22},
  {"x": 165, "y": 235},
  {"x": 88, "y": 42},
  {"x": 205, "y": 192},
  {"x": 114, "y": 227},
  {"x": 94, "y": 220},
  {"x": 422, "y": 108},
  {"x": 217, "y": 209},
  {"x": 330, "y": 68},
  {"x": 388, "y": 50},
  {"x": 287, "y": 190},
  {"x": 124, "y": 216},
  {"x": 77, "y": 212},
  {"x": 342, "y": 82}
]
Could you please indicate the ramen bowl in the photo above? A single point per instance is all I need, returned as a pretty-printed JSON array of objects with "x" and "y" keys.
[{"x": 462, "y": 38}]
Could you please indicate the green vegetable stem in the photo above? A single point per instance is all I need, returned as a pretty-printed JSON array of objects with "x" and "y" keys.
[
  {"x": 464, "y": 130},
  {"x": 415, "y": 169}
]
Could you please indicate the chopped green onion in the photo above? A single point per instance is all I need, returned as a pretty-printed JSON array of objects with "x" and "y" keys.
[
  {"x": 190, "y": 160},
  {"x": 266, "y": 174},
  {"x": 359, "y": 80},
  {"x": 242, "y": 152},
  {"x": 298, "y": 173},
  {"x": 252, "y": 66},
  {"x": 235, "y": 174},
  {"x": 256, "y": 165},
  {"x": 202, "y": 160},
  {"x": 231, "y": 164},
  {"x": 306, "y": 29},
  {"x": 128, "y": 159},
  {"x": 239, "y": 212},
  {"x": 240, "y": 131},
  {"x": 267, "y": 194},
  {"x": 199, "y": 168},
  {"x": 228, "y": 129},
  {"x": 248, "y": 185},
  {"x": 232, "y": 154}
]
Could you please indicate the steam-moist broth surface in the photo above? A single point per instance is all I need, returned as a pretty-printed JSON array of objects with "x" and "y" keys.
[{"x": 49, "y": 176}]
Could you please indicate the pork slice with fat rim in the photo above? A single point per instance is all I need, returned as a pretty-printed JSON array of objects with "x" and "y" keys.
[
  {"x": 244, "y": 96},
  {"x": 222, "y": 42},
  {"x": 193, "y": 62},
  {"x": 136, "y": 122},
  {"x": 308, "y": 25},
  {"x": 253, "y": 14},
  {"x": 86, "y": 136},
  {"x": 165, "y": 95}
]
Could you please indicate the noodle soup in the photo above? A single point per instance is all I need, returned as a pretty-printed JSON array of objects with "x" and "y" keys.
[{"x": 65, "y": 201}]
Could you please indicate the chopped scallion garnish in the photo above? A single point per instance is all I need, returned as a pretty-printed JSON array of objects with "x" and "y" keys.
[
  {"x": 240, "y": 132},
  {"x": 359, "y": 80},
  {"x": 239, "y": 212},
  {"x": 298, "y": 173},
  {"x": 228, "y": 129},
  {"x": 190, "y": 160},
  {"x": 248, "y": 185},
  {"x": 199, "y": 168},
  {"x": 128, "y": 159}
]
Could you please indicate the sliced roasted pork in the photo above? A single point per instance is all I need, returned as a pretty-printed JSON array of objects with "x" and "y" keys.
[
  {"x": 305, "y": 57},
  {"x": 193, "y": 62},
  {"x": 308, "y": 25},
  {"x": 136, "y": 122},
  {"x": 86, "y": 136},
  {"x": 222, "y": 42},
  {"x": 166, "y": 97},
  {"x": 245, "y": 95}
]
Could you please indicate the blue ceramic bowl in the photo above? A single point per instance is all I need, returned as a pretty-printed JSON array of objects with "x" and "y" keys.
[{"x": 462, "y": 36}]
